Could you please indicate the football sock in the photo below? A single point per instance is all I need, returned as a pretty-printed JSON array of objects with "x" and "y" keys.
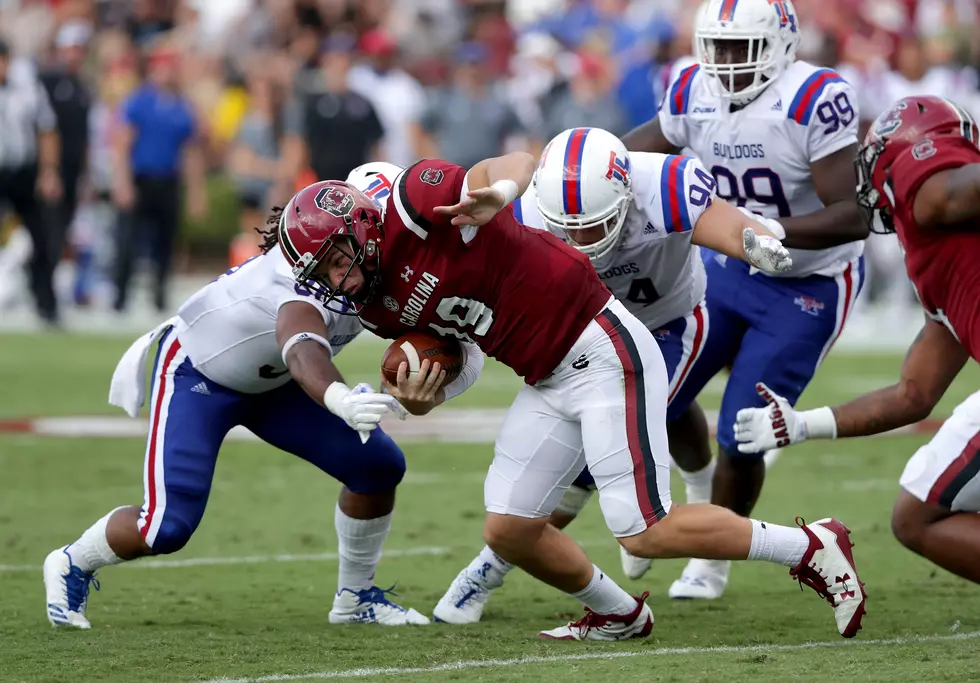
[
  {"x": 92, "y": 550},
  {"x": 780, "y": 544},
  {"x": 698, "y": 484},
  {"x": 359, "y": 544},
  {"x": 489, "y": 568},
  {"x": 604, "y": 596}
]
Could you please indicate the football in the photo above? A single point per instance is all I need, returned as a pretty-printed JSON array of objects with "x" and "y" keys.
[{"x": 414, "y": 347}]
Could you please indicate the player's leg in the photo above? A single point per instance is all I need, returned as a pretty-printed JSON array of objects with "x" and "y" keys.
[
  {"x": 187, "y": 426},
  {"x": 936, "y": 512},
  {"x": 290, "y": 420},
  {"x": 625, "y": 445}
]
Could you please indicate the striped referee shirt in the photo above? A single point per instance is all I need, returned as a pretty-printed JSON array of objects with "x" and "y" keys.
[{"x": 25, "y": 110}]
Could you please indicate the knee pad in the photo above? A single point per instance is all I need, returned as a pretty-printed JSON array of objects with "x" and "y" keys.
[
  {"x": 382, "y": 467},
  {"x": 574, "y": 500}
]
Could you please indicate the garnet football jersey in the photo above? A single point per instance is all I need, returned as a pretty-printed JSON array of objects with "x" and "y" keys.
[
  {"x": 941, "y": 261},
  {"x": 523, "y": 296}
]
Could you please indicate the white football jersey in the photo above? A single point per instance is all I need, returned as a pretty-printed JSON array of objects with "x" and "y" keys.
[
  {"x": 228, "y": 328},
  {"x": 655, "y": 270},
  {"x": 760, "y": 155}
]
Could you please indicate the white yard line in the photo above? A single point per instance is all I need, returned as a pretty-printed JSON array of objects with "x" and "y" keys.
[
  {"x": 165, "y": 563},
  {"x": 587, "y": 656}
]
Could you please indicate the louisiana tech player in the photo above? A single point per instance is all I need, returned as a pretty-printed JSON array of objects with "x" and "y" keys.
[
  {"x": 919, "y": 172},
  {"x": 374, "y": 180},
  {"x": 253, "y": 348},
  {"x": 449, "y": 258},
  {"x": 637, "y": 217},
  {"x": 779, "y": 136}
]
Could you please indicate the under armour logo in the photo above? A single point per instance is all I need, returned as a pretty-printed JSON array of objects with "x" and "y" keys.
[
  {"x": 845, "y": 592},
  {"x": 407, "y": 275},
  {"x": 581, "y": 362}
]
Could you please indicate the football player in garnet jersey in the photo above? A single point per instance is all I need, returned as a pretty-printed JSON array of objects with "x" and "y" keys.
[
  {"x": 450, "y": 258},
  {"x": 919, "y": 176}
]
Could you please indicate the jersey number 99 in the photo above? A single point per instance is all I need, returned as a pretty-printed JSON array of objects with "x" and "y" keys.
[
  {"x": 761, "y": 185},
  {"x": 836, "y": 114}
]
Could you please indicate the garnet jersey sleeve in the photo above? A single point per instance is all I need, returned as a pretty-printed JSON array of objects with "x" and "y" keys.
[
  {"x": 925, "y": 159},
  {"x": 825, "y": 107},
  {"x": 675, "y": 107},
  {"x": 422, "y": 187}
]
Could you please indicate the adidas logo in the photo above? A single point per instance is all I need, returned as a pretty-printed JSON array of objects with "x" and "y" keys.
[
  {"x": 778, "y": 106},
  {"x": 202, "y": 389},
  {"x": 649, "y": 229}
]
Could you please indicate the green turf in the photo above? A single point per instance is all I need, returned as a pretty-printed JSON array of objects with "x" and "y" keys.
[{"x": 269, "y": 618}]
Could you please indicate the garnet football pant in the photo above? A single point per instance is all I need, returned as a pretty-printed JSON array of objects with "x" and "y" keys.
[
  {"x": 189, "y": 418},
  {"x": 775, "y": 330},
  {"x": 946, "y": 471},
  {"x": 604, "y": 406}
]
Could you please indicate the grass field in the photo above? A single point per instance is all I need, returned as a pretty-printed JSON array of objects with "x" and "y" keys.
[{"x": 248, "y": 598}]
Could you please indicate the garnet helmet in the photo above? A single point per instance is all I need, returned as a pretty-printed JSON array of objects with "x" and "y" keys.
[
  {"x": 911, "y": 126},
  {"x": 328, "y": 215}
]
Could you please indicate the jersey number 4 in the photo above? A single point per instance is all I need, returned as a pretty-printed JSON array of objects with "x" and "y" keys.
[
  {"x": 642, "y": 292},
  {"x": 465, "y": 315}
]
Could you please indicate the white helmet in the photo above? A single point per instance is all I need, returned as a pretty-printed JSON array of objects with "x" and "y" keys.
[
  {"x": 375, "y": 180},
  {"x": 769, "y": 27},
  {"x": 583, "y": 182}
]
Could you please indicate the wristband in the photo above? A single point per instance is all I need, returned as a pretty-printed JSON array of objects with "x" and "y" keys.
[
  {"x": 820, "y": 423},
  {"x": 333, "y": 398},
  {"x": 301, "y": 337},
  {"x": 507, "y": 188}
]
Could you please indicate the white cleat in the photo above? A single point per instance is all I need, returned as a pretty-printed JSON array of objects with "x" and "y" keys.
[
  {"x": 828, "y": 568},
  {"x": 593, "y": 626},
  {"x": 371, "y": 606},
  {"x": 67, "y": 589},
  {"x": 634, "y": 567},
  {"x": 701, "y": 580},
  {"x": 465, "y": 599}
]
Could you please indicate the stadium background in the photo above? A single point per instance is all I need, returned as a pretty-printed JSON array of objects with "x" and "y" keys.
[{"x": 248, "y": 597}]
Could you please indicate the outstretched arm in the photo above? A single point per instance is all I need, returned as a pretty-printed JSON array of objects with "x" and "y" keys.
[
  {"x": 649, "y": 137},
  {"x": 932, "y": 362},
  {"x": 491, "y": 185},
  {"x": 949, "y": 197},
  {"x": 840, "y": 221}
]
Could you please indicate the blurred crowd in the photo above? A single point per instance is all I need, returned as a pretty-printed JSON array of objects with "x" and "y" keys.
[{"x": 164, "y": 106}]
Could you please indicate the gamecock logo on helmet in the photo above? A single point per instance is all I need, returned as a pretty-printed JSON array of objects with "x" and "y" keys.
[
  {"x": 335, "y": 201},
  {"x": 431, "y": 176}
]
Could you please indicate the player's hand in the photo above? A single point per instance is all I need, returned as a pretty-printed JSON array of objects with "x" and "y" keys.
[
  {"x": 418, "y": 394},
  {"x": 478, "y": 208},
  {"x": 762, "y": 429},
  {"x": 765, "y": 253},
  {"x": 362, "y": 407}
]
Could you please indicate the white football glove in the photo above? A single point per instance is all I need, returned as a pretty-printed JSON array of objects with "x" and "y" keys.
[
  {"x": 765, "y": 253},
  {"x": 361, "y": 407},
  {"x": 778, "y": 424}
]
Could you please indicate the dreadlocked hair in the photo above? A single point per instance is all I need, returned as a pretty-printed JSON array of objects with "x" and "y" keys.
[{"x": 270, "y": 235}]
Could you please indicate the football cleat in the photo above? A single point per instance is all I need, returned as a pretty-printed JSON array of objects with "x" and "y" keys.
[
  {"x": 594, "y": 626},
  {"x": 67, "y": 587},
  {"x": 465, "y": 599},
  {"x": 372, "y": 606},
  {"x": 828, "y": 568},
  {"x": 701, "y": 580},
  {"x": 634, "y": 567}
]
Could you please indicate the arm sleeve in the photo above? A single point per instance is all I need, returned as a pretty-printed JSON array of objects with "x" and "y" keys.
[
  {"x": 472, "y": 370},
  {"x": 686, "y": 190},
  {"x": 422, "y": 187},
  {"x": 826, "y": 107},
  {"x": 674, "y": 108}
]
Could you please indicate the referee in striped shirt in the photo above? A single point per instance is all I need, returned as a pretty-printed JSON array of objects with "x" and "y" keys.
[{"x": 30, "y": 180}]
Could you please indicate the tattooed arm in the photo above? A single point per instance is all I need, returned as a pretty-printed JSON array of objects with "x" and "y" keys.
[{"x": 932, "y": 362}]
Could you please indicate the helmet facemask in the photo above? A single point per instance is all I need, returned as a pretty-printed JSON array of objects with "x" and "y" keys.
[
  {"x": 742, "y": 76},
  {"x": 873, "y": 205},
  {"x": 610, "y": 222}
]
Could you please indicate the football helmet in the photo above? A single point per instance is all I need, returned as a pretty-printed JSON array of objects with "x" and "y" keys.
[
  {"x": 327, "y": 215},
  {"x": 768, "y": 28},
  {"x": 375, "y": 180},
  {"x": 910, "y": 125},
  {"x": 583, "y": 182}
]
